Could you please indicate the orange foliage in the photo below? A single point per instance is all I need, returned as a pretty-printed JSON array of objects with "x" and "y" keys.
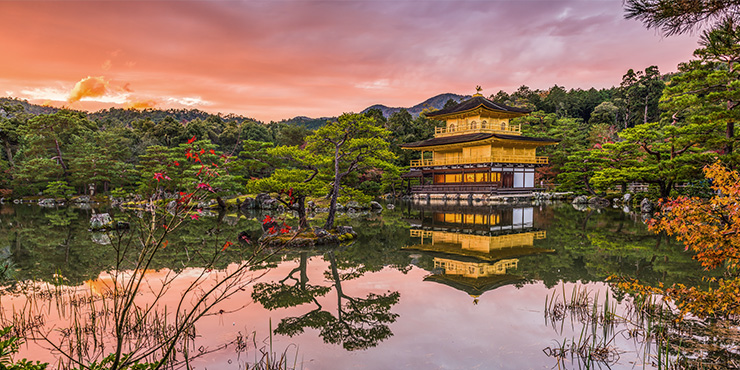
[{"x": 711, "y": 229}]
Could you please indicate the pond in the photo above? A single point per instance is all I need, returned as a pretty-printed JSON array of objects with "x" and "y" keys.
[{"x": 422, "y": 287}]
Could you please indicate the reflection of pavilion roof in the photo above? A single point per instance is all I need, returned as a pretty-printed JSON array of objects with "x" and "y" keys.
[
  {"x": 472, "y": 228},
  {"x": 453, "y": 251},
  {"x": 475, "y": 286}
]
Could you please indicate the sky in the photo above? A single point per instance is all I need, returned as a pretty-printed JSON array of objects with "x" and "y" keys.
[{"x": 277, "y": 59}]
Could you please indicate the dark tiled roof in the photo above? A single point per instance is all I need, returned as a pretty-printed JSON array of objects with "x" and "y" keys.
[
  {"x": 525, "y": 138},
  {"x": 466, "y": 138},
  {"x": 448, "y": 140},
  {"x": 475, "y": 102}
]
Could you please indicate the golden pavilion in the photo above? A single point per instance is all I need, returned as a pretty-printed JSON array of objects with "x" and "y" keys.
[
  {"x": 478, "y": 151},
  {"x": 476, "y": 251}
]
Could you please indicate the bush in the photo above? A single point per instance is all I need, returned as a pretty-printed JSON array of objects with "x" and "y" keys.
[{"x": 59, "y": 189}]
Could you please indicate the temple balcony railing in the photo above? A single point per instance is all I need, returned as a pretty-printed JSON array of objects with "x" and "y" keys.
[
  {"x": 473, "y": 160},
  {"x": 478, "y": 127}
]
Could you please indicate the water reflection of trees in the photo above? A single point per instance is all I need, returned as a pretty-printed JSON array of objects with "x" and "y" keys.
[
  {"x": 589, "y": 246},
  {"x": 359, "y": 322}
]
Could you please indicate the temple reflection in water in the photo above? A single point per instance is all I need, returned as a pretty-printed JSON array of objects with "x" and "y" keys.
[{"x": 475, "y": 250}]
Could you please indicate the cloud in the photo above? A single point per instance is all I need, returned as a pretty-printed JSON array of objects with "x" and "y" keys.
[
  {"x": 45, "y": 94},
  {"x": 377, "y": 84},
  {"x": 106, "y": 65},
  {"x": 89, "y": 87},
  {"x": 188, "y": 101},
  {"x": 141, "y": 104}
]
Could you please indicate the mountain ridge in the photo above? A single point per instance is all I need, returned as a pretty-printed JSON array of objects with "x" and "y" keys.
[{"x": 436, "y": 102}]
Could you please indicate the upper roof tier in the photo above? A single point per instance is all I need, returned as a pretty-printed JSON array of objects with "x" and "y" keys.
[{"x": 478, "y": 102}]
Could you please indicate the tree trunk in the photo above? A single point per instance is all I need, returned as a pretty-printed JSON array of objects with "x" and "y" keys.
[
  {"x": 59, "y": 153},
  {"x": 588, "y": 186},
  {"x": 300, "y": 207},
  {"x": 221, "y": 203},
  {"x": 644, "y": 120},
  {"x": 9, "y": 153},
  {"x": 334, "y": 193}
]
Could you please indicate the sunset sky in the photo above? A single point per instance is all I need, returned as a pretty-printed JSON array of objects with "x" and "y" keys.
[{"x": 277, "y": 59}]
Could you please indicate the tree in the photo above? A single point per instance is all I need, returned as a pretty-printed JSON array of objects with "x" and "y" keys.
[
  {"x": 293, "y": 184},
  {"x": 707, "y": 89},
  {"x": 638, "y": 96},
  {"x": 658, "y": 153},
  {"x": 353, "y": 142},
  {"x": 360, "y": 323},
  {"x": 59, "y": 189},
  {"x": 711, "y": 229},
  {"x": 676, "y": 17},
  {"x": 11, "y": 118},
  {"x": 50, "y": 135}
]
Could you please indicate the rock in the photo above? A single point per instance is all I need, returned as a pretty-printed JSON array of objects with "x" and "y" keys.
[
  {"x": 248, "y": 204},
  {"x": 375, "y": 205},
  {"x": 581, "y": 199},
  {"x": 100, "y": 238},
  {"x": 310, "y": 205},
  {"x": 353, "y": 204},
  {"x": 208, "y": 204},
  {"x": 598, "y": 202},
  {"x": 320, "y": 232},
  {"x": 268, "y": 203},
  {"x": 82, "y": 199},
  {"x": 580, "y": 207},
  {"x": 646, "y": 206},
  {"x": 340, "y": 208},
  {"x": 260, "y": 198},
  {"x": 341, "y": 230},
  {"x": 100, "y": 221},
  {"x": 47, "y": 202},
  {"x": 390, "y": 206},
  {"x": 626, "y": 198}
]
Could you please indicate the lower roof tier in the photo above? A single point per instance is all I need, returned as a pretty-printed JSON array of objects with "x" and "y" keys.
[{"x": 476, "y": 138}]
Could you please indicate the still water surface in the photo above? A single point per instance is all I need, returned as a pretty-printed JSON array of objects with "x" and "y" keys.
[{"x": 421, "y": 288}]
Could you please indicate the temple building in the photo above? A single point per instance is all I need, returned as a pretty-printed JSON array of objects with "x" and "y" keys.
[
  {"x": 475, "y": 251},
  {"x": 479, "y": 151}
]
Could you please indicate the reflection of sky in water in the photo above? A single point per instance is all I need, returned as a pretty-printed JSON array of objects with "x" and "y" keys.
[{"x": 438, "y": 327}]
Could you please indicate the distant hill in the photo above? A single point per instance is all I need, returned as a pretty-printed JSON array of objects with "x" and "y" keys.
[
  {"x": 436, "y": 102},
  {"x": 28, "y": 107},
  {"x": 185, "y": 115},
  {"x": 127, "y": 116}
]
